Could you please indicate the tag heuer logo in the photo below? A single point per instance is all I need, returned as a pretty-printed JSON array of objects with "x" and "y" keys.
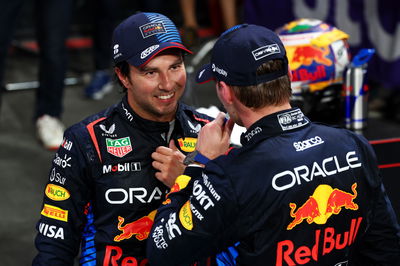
[{"x": 119, "y": 147}]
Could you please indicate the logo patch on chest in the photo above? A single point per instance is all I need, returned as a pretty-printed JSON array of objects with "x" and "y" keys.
[
  {"x": 119, "y": 147},
  {"x": 187, "y": 144}
]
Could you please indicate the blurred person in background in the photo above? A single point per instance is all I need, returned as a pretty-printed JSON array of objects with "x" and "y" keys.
[
  {"x": 190, "y": 22},
  {"x": 105, "y": 18},
  {"x": 52, "y": 20},
  {"x": 103, "y": 186}
]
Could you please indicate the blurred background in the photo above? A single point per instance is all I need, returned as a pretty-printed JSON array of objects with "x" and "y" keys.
[{"x": 24, "y": 163}]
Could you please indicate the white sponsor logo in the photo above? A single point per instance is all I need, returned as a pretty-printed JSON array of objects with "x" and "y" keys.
[
  {"x": 63, "y": 162},
  {"x": 220, "y": 71},
  {"x": 343, "y": 263},
  {"x": 251, "y": 134},
  {"x": 56, "y": 177},
  {"x": 148, "y": 51},
  {"x": 125, "y": 167},
  {"x": 66, "y": 144},
  {"x": 108, "y": 131},
  {"x": 51, "y": 231},
  {"x": 171, "y": 226},
  {"x": 127, "y": 113},
  {"x": 194, "y": 129},
  {"x": 328, "y": 167},
  {"x": 266, "y": 51},
  {"x": 159, "y": 238},
  {"x": 201, "y": 73},
  {"x": 201, "y": 196},
  {"x": 196, "y": 212},
  {"x": 121, "y": 195},
  {"x": 116, "y": 49},
  {"x": 308, "y": 143},
  {"x": 210, "y": 187}
]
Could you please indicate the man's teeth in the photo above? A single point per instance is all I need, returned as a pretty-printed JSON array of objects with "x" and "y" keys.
[{"x": 165, "y": 97}]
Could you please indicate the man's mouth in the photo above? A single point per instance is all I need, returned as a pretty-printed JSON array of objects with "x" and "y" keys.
[{"x": 166, "y": 97}]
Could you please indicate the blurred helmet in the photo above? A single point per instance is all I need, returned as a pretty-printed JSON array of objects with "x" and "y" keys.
[{"x": 318, "y": 54}]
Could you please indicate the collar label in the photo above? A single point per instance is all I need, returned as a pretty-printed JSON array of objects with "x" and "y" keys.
[{"x": 292, "y": 119}]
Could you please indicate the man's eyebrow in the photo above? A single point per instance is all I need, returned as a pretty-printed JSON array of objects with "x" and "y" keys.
[
  {"x": 178, "y": 61},
  {"x": 145, "y": 69}
]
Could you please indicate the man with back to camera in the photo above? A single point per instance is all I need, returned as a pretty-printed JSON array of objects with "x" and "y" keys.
[
  {"x": 295, "y": 193},
  {"x": 102, "y": 191}
]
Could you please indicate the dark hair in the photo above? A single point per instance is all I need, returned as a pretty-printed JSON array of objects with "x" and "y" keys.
[
  {"x": 124, "y": 69},
  {"x": 273, "y": 92}
]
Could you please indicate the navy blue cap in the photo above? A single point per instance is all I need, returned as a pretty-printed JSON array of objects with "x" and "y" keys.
[
  {"x": 238, "y": 53},
  {"x": 142, "y": 36}
]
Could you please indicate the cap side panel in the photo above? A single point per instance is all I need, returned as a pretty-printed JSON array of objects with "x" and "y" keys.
[{"x": 172, "y": 34}]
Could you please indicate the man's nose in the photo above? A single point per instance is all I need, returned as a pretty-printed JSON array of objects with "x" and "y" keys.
[{"x": 165, "y": 82}]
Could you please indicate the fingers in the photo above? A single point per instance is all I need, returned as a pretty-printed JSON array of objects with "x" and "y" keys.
[
  {"x": 164, "y": 150},
  {"x": 157, "y": 156},
  {"x": 220, "y": 119},
  {"x": 228, "y": 128},
  {"x": 172, "y": 145},
  {"x": 157, "y": 165}
]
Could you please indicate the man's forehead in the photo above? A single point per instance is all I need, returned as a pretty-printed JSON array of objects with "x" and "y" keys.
[{"x": 173, "y": 52}]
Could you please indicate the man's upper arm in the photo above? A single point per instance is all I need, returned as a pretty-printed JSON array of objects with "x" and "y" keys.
[
  {"x": 63, "y": 210},
  {"x": 193, "y": 220}
]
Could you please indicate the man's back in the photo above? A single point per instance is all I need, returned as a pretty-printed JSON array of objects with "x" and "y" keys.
[
  {"x": 295, "y": 193},
  {"x": 304, "y": 195}
]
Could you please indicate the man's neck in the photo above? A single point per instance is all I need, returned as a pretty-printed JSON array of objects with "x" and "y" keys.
[{"x": 249, "y": 116}]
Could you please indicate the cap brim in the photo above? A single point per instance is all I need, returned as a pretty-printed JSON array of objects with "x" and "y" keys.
[
  {"x": 137, "y": 61},
  {"x": 204, "y": 74}
]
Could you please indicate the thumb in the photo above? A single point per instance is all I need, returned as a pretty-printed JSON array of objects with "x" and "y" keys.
[{"x": 172, "y": 145}]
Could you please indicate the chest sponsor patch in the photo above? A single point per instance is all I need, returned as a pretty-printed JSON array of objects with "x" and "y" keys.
[
  {"x": 119, "y": 147},
  {"x": 187, "y": 144}
]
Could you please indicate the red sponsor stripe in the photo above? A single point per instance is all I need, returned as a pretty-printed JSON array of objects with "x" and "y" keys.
[
  {"x": 383, "y": 141},
  {"x": 390, "y": 165},
  {"x": 93, "y": 135},
  {"x": 201, "y": 119}
]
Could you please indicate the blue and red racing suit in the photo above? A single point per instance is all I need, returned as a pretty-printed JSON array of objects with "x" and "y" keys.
[
  {"x": 102, "y": 192},
  {"x": 295, "y": 193}
]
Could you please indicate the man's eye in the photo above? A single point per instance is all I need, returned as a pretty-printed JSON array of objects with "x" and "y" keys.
[
  {"x": 150, "y": 73},
  {"x": 176, "y": 66}
]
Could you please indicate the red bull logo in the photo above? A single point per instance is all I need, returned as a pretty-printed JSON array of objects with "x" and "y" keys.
[
  {"x": 324, "y": 202},
  {"x": 325, "y": 241},
  {"x": 304, "y": 74},
  {"x": 180, "y": 183},
  {"x": 306, "y": 55},
  {"x": 139, "y": 228},
  {"x": 114, "y": 256}
]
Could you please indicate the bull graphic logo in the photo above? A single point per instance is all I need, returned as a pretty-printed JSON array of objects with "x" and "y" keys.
[
  {"x": 305, "y": 55},
  {"x": 139, "y": 228},
  {"x": 324, "y": 202}
]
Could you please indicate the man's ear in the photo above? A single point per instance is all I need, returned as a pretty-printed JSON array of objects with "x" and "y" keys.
[
  {"x": 225, "y": 92},
  {"x": 118, "y": 72},
  {"x": 120, "y": 76}
]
